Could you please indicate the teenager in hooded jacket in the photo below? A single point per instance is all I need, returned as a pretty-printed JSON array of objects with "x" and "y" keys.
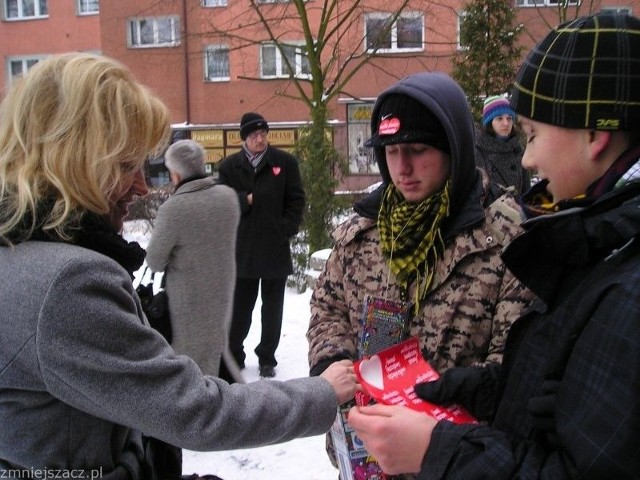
[{"x": 423, "y": 238}]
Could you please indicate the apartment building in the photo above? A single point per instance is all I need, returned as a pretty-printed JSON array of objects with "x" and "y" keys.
[
  {"x": 213, "y": 60},
  {"x": 34, "y": 29}
]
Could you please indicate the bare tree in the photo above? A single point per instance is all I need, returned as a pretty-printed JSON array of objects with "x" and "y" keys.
[
  {"x": 333, "y": 44},
  {"x": 334, "y": 49}
]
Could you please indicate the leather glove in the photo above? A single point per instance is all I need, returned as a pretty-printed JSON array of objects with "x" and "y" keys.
[
  {"x": 542, "y": 411},
  {"x": 472, "y": 387}
]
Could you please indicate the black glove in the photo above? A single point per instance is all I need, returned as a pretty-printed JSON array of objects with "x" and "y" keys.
[
  {"x": 542, "y": 411},
  {"x": 472, "y": 387}
]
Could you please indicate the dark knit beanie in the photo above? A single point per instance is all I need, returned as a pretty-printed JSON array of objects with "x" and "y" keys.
[
  {"x": 403, "y": 119},
  {"x": 584, "y": 74},
  {"x": 251, "y": 122}
]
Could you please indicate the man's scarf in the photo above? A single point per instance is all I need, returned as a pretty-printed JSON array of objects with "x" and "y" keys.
[
  {"x": 254, "y": 160},
  {"x": 410, "y": 236}
]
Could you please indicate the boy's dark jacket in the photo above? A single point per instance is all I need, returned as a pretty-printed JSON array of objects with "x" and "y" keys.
[{"x": 584, "y": 264}]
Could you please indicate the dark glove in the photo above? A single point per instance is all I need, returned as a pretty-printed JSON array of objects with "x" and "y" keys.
[
  {"x": 542, "y": 411},
  {"x": 472, "y": 387}
]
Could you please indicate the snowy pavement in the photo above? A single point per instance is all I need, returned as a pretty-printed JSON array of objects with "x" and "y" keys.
[{"x": 301, "y": 459}]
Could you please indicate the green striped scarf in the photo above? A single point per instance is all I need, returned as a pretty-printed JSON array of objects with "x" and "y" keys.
[{"x": 410, "y": 236}]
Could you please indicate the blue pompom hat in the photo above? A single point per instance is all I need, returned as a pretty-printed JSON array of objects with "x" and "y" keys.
[{"x": 494, "y": 107}]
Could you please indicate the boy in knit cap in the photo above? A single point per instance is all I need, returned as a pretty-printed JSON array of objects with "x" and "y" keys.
[
  {"x": 568, "y": 398},
  {"x": 499, "y": 149}
]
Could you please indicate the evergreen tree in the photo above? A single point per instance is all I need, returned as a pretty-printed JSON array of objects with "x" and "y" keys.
[
  {"x": 320, "y": 168},
  {"x": 487, "y": 60}
]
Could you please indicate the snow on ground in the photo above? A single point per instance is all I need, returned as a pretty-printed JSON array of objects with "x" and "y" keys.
[{"x": 300, "y": 459}]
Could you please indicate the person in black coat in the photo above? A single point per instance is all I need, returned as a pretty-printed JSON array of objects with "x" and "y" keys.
[
  {"x": 272, "y": 202},
  {"x": 499, "y": 149}
]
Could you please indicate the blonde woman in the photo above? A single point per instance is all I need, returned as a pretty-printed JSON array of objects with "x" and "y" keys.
[{"x": 83, "y": 378}]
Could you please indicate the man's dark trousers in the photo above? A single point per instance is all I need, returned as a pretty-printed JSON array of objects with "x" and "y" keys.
[{"x": 272, "y": 295}]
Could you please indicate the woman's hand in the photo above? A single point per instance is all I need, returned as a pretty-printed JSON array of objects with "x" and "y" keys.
[
  {"x": 397, "y": 437},
  {"x": 342, "y": 378}
]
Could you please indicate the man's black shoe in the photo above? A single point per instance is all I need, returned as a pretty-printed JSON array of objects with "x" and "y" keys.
[{"x": 267, "y": 371}]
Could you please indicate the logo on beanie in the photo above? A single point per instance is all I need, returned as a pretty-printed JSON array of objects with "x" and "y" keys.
[
  {"x": 389, "y": 126},
  {"x": 607, "y": 124}
]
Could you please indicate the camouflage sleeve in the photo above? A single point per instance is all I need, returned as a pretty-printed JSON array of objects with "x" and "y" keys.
[
  {"x": 513, "y": 301},
  {"x": 514, "y": 298},
  {"x": 331, "y": 336}
]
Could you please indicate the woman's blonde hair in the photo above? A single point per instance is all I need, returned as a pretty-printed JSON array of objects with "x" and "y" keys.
[{"x": 69, "y": 130}]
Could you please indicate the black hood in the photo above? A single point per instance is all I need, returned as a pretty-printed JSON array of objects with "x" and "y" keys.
[
  {"x": 443, "y": 97},
  {"x": 446, "y": 100}
]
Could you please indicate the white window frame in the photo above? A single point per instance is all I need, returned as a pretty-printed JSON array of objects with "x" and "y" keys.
[
  {"x": 280, "y": 65},
  {"x": 461, "y": 15},
  {"x": 88, "y": 7},
  {"x": 544, "y": 3},
  {"x": 213, "y": 49},
  {"x": 136, "y": 31},
  {"x": 393, "y": 32},
  {"x": 214, "y": 3},
  {"x": 26, "y": 62},
  {"x": 14, "y": 9}
]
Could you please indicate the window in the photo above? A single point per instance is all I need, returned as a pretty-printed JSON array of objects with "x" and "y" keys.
[
  {"x": 86, "y": 7},
  {"x": 545, "y": 3},
  {"x": 154, "y": 32},
  {"x": 361, "y": 158},
  {"x": 404, "y": 35},
  {"x": 23, "y": 9},
  {"x": 274, "y": 66},
  {"x": 217, "y": 63},
  {"x": 462, "y": 42},
  {"x": 626, "y": 10},
  {"x": 18, "y": 66},
  {"x": 214, "y": 3}
]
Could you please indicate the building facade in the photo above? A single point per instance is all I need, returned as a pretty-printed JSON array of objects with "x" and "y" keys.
[{"x": 213, "y": 60}]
